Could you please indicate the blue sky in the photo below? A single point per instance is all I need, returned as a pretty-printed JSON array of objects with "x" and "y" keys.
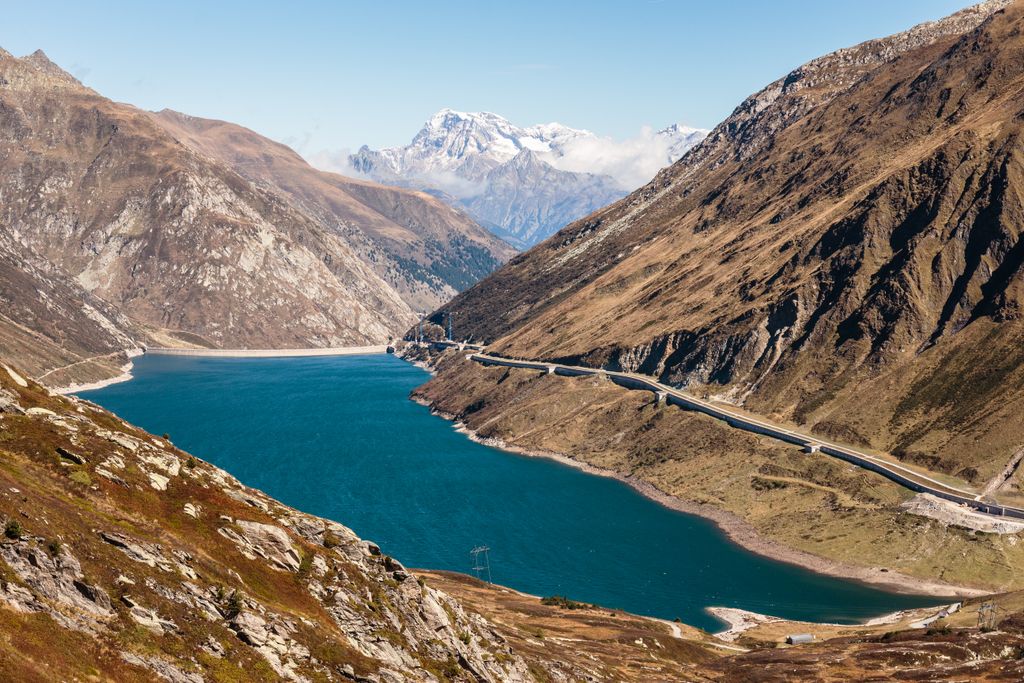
[{"x": 326, "y": 76}]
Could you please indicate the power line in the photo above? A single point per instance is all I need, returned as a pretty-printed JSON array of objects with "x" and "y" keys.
[
  {"x": 987, "y": 616},
  {"x": 481, "y": 562}
]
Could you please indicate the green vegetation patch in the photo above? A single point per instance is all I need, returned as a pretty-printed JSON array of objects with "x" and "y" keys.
[
  {"x": 563, "y": 602},
  {"x": 81, "y": 477}
]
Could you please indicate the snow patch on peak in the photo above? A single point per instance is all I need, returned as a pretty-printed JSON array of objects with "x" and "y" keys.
[
  {"x": 680, "y": 129},
  {"x": 526, "y": 181},
  {"x": 469, "y": 145}
]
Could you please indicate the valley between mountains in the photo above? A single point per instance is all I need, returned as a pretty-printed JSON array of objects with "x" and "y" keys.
[{"x": 841, "y": 256}]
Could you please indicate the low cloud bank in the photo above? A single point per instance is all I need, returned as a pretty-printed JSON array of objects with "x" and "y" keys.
[
  {"x": 335, "y": 161},
  {"x": 631, "y": 162}
]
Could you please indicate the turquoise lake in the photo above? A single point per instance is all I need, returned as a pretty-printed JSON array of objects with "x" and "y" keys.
[{"x": 338, "y": 437}]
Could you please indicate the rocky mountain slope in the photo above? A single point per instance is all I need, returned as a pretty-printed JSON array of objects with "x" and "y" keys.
[
  {"x": 426, "y": 250},
  {"x": 840, "y": 254},
  {"x": 48, "y": 321},
  {"x": 173, "y": 237},
  {"x": 123, "y": 556},
  {"x": 509, "y": 178},
  {"x": 854, "y": 225}
]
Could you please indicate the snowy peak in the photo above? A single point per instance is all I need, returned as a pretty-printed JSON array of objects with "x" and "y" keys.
[
  {"x": 450, "y": 137},
  {"x": 468, "y": 145},
  {"x": 680, "y": 130},
  {"x": 526, "y": 158},
  {"x": 680, "y": 139},
  {"x": 523, "y": 182},
  {"x": 456, "y": 135}
]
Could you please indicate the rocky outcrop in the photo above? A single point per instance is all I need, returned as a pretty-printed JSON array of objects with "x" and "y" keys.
[
  {"x": 51, "y": 580},
  {"x": 264, "y": 540},
  {"x": 93, "y": 547},
  {"x": 162, "y": 668}
]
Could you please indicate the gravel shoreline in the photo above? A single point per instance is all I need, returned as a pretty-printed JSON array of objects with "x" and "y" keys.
[{"x": 126, "y": 374}]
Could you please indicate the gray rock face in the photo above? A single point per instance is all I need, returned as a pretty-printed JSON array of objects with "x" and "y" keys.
[
  {"x": 9, "y": 403},
  {"x": 148, "y": 618},
  {"x": 53, "y": 584},
  {"x": 526, "y": 199},
  {"x": 146, "y": 553},
  {"x": 162, "y": 668},
  {"x": 264, "y": 540},
  {"x": 251, "y": 628}
]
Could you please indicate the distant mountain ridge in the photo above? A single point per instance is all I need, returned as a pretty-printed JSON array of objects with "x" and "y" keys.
[{"x": 509, "y": 178}]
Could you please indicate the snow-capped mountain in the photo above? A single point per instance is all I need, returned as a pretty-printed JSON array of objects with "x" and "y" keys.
[
  {"x": 523, "y": 183},
  {"x": 681, "y": 138},
  {"x": 527, "y": 199}
]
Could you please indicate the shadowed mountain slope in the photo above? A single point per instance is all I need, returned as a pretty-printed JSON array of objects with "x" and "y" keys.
[{"x": 852, "y": 230}]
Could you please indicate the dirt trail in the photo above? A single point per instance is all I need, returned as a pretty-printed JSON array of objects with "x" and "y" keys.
[
  {"x": 997, "y": 481},
  {"x": 46, "y": 374}
]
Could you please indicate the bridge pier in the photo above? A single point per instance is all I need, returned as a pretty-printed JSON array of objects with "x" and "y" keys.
[
  {"x": 549, "y": 370},
  {"x": 661, "y": 397},
  {"x": 812, "y": 448}
]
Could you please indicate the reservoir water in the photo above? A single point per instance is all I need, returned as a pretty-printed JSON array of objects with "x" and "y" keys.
[{"x": 338, "y": 437}]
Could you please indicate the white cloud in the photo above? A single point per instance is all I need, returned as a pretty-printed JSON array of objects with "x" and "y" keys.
[
  {"x": 335, "y": 161},
  {"x": 447, "y": 181},
  {"x": 631, "y": 162},
  {"x": 339, "y": 161}
]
